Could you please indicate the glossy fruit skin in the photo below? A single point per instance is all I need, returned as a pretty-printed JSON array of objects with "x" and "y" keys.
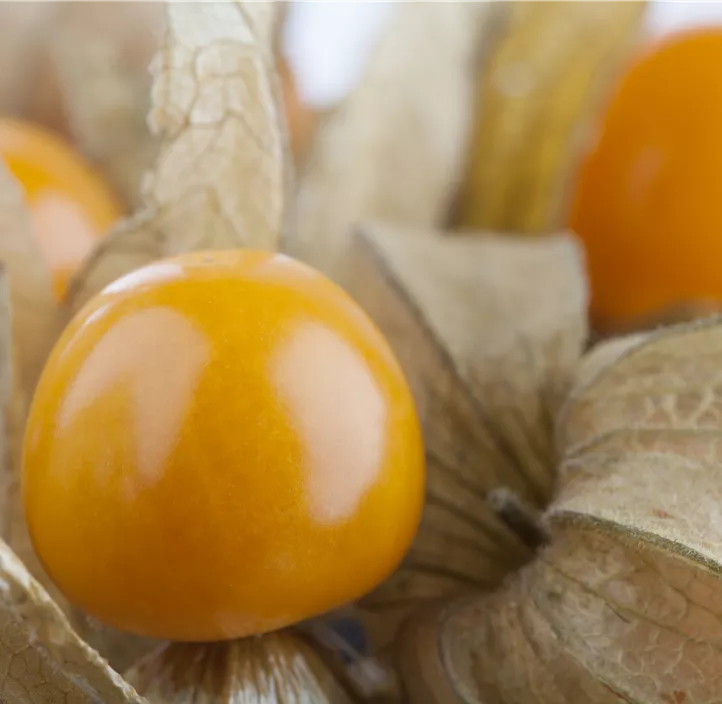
[
  {"x": 70, "y": 205},
  {"x": 221, "y": 444},
  {"x": 648, "y": 203}
]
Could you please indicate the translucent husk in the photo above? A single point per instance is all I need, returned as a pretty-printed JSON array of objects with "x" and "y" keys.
[
  {"x": 569, "y": 550},
  {"x": 280, "y": 667},
  {"x": 616, "y": 450},
  {"x": 539, "y": 97}
]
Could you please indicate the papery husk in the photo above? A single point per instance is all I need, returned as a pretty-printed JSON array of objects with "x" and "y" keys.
[
  {"x": 7, "y": 410},
  {"x": 539, "y": 97},
  {"x": 24, "y": 27},
  {"x": 34, "y": 310},
  {"x": 623, "y": 601},
  {"x": 624, "y": 604},
  {"x": 93, "y": 86},
  {"x": 395, "y": 148},
  {"x": 488, "y": 347},
  {"x": 30, "y": 326},
  {"x": 221, "y": 176},
  {"x": 278, "y": 667},
  {"x": 42, "y": 661},
  {"x": 81, "y": 70}
]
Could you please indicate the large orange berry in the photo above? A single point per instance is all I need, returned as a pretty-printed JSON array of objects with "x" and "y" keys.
[
  {"x": 70, "y": 206},
  {"x": 647, "y": 205},
  {"x": 221, "y": 444}
]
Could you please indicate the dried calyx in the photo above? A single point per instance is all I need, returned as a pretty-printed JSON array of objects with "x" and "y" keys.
[
  {"x": 489, "y": 357},
  {"x": 279, "y": 667},
  {"x": 621, "y": 601}
]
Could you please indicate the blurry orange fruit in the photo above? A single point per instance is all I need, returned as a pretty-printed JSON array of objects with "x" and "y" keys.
[
  {"x": 70, "y": 206},
  {"x": 221, "y": 444},
  {"x": 648, "y": 204}
]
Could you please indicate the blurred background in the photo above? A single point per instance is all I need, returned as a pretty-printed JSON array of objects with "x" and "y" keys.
[
  {"x": 524, "y": 118},
  {"x": 627, "y": 153},
  {"x": 325, "y": 70}
]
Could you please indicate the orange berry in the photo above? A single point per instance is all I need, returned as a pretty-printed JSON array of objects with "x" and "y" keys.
[
  {"x": 647, "y": 204},
  {"x": 221, "y": 444},
  {"x": 70, "y": 206}
]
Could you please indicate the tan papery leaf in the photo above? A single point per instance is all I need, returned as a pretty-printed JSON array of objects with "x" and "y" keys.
[
  {"x": 394, "y": 150},
  {"x": 28, "y": 331},
  {"x": 95, "y": 86},
  {"x": 220, "y": 177},
  {"x": 538, "y": 101},
  {"x": 278, "y": 667},
  {"x": 10, "y": 421},
  {"x": 625, "y": 603},
  {"x": 614, "y": 593},
  {"x": 489, "y": 347},
  {"x": 42, "y": 661},
  {"x": 34, "y": 309},
  {"x": 24, "y": 26}
]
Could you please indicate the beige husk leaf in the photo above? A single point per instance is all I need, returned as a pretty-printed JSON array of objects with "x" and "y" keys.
[
  {"x": 81, "y": 69},
  {"x": 34, "y": 324},
  {"x": 538, "y": 97},
  {"x": 93, "y": 85},
  {"x": 394, "y": 149},
  {"x": 42, "y": 660},
  {"x": 220, "y": 177},
  {"x": 623, "y": 600},
  {"x": 32, "y": 317},
  {"x": 8, "y": 396},
  {"x": 23, "y": 26},
  {"x": 488, "y": 347},
  {"x": 279, "y": 667}
]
